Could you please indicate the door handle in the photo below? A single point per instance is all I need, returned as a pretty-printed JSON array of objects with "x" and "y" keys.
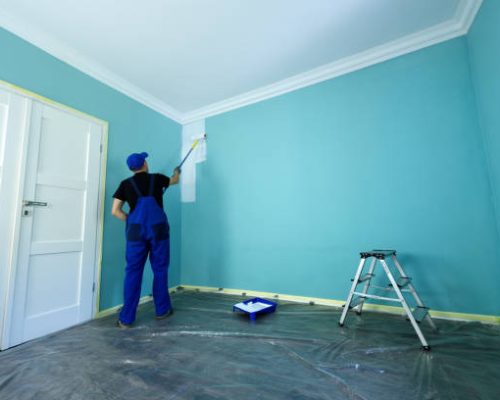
[{"x": 35, "y": 203}]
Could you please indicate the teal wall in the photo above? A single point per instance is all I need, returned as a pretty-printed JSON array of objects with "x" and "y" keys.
[
  {"x": 390, "y": 156},
  {"x": 484, "y": 49},
  {"x": 132, "y": 127}
]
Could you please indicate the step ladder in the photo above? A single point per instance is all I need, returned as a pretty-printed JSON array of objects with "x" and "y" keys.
[{"x": 399, "y": 284}]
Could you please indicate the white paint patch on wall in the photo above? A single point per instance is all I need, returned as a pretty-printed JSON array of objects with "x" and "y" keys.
[{"x": 190, "y": 133}]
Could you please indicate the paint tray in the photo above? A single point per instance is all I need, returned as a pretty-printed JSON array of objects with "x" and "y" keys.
[{"x": 255, "y": 306}]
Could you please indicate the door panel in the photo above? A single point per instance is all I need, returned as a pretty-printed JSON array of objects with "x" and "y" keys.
[
  {"x": 42, "y": 286},
  {"x": 65, "y": 208},
  {"x": 58, "y": 148}
]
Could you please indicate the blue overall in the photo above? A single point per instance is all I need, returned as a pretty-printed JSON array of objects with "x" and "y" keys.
[{"x": 147, "y": 232}]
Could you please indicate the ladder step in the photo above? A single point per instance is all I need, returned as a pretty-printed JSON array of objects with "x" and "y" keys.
[
  {"x": 380, "y": 254},
  {"x": 420, "y": 312},
  {"x": 364, "y": 278},
  {"x": 388, "y": 288},
  {"x": 402, "y": 281}
]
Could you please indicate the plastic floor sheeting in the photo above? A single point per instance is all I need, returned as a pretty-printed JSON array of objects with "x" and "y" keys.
[{"x": 205, "y": 351}]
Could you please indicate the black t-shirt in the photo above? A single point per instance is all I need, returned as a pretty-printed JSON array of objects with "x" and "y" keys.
[{"x": 126, "y": 192}]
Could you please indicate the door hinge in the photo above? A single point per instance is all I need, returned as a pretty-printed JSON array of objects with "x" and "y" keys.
[
  {"x": 93, "y": 287},
  {"x": 100, "y": 148}
]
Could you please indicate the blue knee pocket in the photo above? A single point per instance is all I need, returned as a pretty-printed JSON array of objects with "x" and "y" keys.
[
  {"x": 161, "y": 231},
  {"x": 134, "y": 232}
]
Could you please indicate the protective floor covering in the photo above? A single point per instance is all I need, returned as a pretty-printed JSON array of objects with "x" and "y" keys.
[{"x": 204, "y": 351}]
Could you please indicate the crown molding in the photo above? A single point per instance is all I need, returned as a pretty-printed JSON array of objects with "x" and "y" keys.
[
  {"x": 466, "y": 13},
  {"x": 458, "y": 26},
  {"x": 57, "y": 49}
]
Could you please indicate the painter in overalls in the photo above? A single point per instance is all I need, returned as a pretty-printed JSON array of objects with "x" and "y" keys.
[{"x": 147, "y": 234}]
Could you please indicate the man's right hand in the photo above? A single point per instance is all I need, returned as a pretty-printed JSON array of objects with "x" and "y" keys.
[{"x": 175, "y": 177}]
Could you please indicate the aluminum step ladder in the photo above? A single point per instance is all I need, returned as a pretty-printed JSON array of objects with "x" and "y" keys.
[{"x": 398, "y": 284}]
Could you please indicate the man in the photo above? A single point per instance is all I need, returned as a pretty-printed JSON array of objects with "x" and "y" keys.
[{"x": 147, "y": 233}]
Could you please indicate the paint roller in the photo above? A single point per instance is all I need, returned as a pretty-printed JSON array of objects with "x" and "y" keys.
[{"x": 193, "y": 146}]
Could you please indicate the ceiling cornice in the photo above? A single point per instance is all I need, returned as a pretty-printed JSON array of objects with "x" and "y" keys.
[
  {"x": 457, "y": 26},
  {"x": 466, "y": 13},
  {"x": 64, "y": 53}
]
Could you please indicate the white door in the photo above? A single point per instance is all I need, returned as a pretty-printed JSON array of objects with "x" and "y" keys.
[{"x": 56, "y": 261}]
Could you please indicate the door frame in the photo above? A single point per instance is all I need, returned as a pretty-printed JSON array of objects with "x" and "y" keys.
[{"x": 7, "y": 285}]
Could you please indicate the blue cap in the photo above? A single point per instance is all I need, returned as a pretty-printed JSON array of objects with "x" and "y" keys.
[{"x": 136, "y": 160}]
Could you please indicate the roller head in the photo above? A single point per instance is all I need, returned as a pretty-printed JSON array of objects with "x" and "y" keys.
[{"x": 195, "y": 143}]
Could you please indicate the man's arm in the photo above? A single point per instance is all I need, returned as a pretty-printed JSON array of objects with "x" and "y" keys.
[
  {"x": 174, "y": 179},
  {"x": 117, "y": 211}
]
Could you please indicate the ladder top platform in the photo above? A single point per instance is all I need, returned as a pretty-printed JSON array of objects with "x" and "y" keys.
[{"x": 380, "y": 254}]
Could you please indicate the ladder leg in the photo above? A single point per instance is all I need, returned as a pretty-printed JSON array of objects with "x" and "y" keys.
[
  {"x": 412, "y": 290},
  {"x": 351, "y": 293},
  {"x": 394, "y": 284},
  {"x": 366, "y": 285}
]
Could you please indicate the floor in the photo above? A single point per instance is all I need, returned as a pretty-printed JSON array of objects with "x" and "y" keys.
[{"x": 205, "y": 351}]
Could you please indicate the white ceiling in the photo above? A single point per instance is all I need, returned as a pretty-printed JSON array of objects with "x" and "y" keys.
[{"x": 192, "y": 58}]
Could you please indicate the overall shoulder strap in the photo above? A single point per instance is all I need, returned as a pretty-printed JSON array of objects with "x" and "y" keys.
[
  {"x": 152, "y": 185},
  {"x": 136, "y": 188}
]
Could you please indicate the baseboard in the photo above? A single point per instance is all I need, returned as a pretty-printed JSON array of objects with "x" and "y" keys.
[{"x": 488, "y": 319}]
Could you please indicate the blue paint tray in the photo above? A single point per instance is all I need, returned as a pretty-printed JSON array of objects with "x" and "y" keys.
[{"x": 255, "y": 306}]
